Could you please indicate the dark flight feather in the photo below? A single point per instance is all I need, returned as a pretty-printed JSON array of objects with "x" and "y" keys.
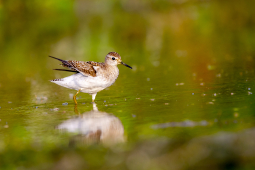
[{"x": 66, "y": 70}]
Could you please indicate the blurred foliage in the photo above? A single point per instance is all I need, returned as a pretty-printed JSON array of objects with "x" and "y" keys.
[
  {"x": 28, "y": 30},
  {"x": 156, "y": 31}
]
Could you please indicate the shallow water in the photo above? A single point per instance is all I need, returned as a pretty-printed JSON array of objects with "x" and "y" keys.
[
  {"x": 187, "y": 103},
  {"x": 147, "y": 107}
]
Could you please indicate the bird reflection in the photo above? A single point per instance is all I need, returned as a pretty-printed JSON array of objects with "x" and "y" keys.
[{"x": 94, "y": 127}]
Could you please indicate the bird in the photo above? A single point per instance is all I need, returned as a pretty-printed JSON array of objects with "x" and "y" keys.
[{"x": 90, "y": 77}]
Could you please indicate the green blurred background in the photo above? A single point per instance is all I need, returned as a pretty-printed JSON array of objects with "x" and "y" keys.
[
  {"x": 193, "y": 62},
  {"x": 143, "y": 32}
]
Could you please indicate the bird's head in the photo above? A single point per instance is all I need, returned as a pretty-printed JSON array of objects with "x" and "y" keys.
[{"x": 113, "y": 58}]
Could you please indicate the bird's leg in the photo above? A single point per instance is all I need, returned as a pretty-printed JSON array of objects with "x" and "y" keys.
[
  {"x": 76, "y": 110},
  {"x": 93, "y": 97},
  {"x": 74, "y": 97}
]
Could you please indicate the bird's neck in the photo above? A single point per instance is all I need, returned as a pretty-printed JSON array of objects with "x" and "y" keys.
[{"x": 112, "y": 70}]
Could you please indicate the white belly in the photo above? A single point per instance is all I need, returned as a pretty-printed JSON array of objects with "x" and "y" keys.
[{"x": 85, "y": 84}]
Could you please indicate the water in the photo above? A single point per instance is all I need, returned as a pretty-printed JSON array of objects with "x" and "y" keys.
[{"x": 187, "y": 103}]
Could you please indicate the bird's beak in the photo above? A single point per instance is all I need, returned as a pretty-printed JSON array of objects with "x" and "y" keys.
[{"x": 125, "y": 65}]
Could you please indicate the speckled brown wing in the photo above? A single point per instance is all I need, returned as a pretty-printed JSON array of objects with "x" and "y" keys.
[
  {"x": 93, "y": 63},
  {"x": 85, "y": 68}
]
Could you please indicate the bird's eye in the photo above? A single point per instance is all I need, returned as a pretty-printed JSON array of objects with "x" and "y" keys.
[{"x": 113, "y": 58}]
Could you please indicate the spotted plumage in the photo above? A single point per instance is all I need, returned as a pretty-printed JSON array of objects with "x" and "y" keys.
[{"x": 91, "y": 77}]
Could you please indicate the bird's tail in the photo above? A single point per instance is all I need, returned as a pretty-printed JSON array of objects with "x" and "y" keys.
[{"x": 57, "y": 58}]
